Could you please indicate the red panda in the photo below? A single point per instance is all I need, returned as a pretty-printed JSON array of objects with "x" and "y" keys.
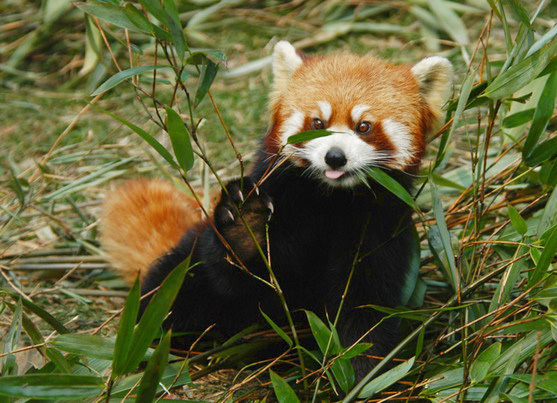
[{"x": 319, "y": 213}]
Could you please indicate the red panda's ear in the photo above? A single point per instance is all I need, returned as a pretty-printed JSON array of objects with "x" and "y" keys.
[
  {"x": 285, "y": 61},
  {"x": 434, "y": 76}
]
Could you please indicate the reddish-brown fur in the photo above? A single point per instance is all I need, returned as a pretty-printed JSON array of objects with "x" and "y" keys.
[
  {"x": 391, "y": 92},
  {"x": 143, "y": 219}
]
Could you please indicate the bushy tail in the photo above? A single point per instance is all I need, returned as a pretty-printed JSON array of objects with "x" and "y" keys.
[{"x": 142, "y": 220}]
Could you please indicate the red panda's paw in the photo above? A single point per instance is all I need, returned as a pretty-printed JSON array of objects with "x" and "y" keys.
[{"x": 243, "y": 204}]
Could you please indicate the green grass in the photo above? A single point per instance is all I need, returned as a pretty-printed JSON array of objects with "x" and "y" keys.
[{"x": 495, "y": 321}]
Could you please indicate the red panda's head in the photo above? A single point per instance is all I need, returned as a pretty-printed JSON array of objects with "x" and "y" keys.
[{"x": 379, "y": 113}]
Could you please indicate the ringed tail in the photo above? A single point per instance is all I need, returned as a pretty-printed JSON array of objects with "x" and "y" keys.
[{"x": 142, "y": 220}]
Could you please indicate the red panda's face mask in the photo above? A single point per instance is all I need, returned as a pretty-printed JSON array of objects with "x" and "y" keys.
[{"x": 379, "y": 113}]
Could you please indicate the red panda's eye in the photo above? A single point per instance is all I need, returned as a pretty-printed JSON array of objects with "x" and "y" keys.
[
  {"x": 317, "y": 124},
  {"x": 363, "y": 127}
]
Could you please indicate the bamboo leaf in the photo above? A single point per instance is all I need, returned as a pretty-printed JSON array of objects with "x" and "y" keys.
[
  {"x": 277, "y": 329},
  {"x": 483, "y": 362},
  {"x": 461, "y": 106},
  {"x": 517, "y": 221},
  {"x": 392, "y": 186},
  {"x": 450, "y": 21},
  {"x": 520, "y": 12},
  {"x": 283, "y": 391},
  {"x": 40, "y": 312},
  {"x": 518, "y": 118},
  {"x": 207, "y": 76},
  {"x": 154, "y": 371},
  {"x": 549, "y": 217},
  {"x": 544, "y": 40},
  {"x": 151, "y": 321},
  {"x": 307, "y": 136},
  {"x": 445, "y": 237},
  {"x": 154, "y": 7},
  {"x": 180, "y": 139},
  {"x": 522, "y": 73},
  {"x": 163, "y": 152},
  {"x": 109, "y": 13},
  {"x": 547, "y": 256},
  {"x": 321, "y": 333},
  {"x": 355, "y": 351},
  {"x": 543, "y": 113},
  {"x": 51, "y": 386},
  {"x": 175, "y": 27},
  {"x": 542, "y": 152},
  {"x": 88, "y": 345},
  {"x": 386, "y": 379},
  {"x": 124, "y": 75},
  {"x": 125, "y": 329}
]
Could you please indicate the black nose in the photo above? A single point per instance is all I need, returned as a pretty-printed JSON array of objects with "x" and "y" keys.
[{"x": 335, "y": 158}]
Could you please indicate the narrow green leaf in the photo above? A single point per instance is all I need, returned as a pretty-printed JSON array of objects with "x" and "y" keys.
[
  {"x": 413, "y": 267},
  {"x": 509, "y": 279},
  {"x": 150, "y": 323},
  {"x": 544, "y": 40},
  {"x": 522, "y": 73},
  {"x": 89, "y": 345},
  {"x": 154, "y": 7},
  {"x": 207, "y": 76},
  {"x": 321, "y": 333},
  {"x": 10, "y": 340},
  {"x": 358, "y": 349},
  {"x": 180, "y": 139},
  {"x": 277, "y": 329},
  {"x": 283, "y": 391},
  {"x": 547, "y": 256},
  {"x": 543, "y": 113},
  {"x": 392, "y": 186},
  {"x": 145, "y": 136},
  {"x": 51, "y": 386},
  {"x": 342, "y": 368},
  {"x": 153, "y": 372},
  {"x": 517, "y": 221},
  {"x": 16, "y": 185},
  {"x": 444, "y": 235},
  {"x": 137, "y": 18},
  {"x": 480, "y": 366},
  {"x": 386, "y": 379},
  {"x": 125, "y": 329},
  {"x": 307, "y": 136},
  {"x": 109, "y": 13},
  {"x": 461, "y": 106},
  {"x": 543, "y": 152},
  {"x": 548, "y": 173},
  {"x": 40, "y": 312},
  {"x": 450, "y": 21},
  {"x": 549, "y": 217},
  {"x": 124, "y": 75},
  {"x": 175, "y": 27},
  {"x": 518, "y": 118},
  {"x": 520, "y": 12}
]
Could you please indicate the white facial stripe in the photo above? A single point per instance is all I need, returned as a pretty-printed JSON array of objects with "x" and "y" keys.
[
  {"x": 401, "y": 139},
  {"x": 292, "y": 125},
  {"x": 359, "y": 154},
  {"x": 326, "y": 109},
  {"x": 358, "y": 111}
]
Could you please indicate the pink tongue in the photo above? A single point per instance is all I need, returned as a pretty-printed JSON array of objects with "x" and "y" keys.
[{"x": 332, "y": 174}]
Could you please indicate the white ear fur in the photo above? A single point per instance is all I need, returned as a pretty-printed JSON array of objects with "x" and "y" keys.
[
  {"x": 434, "y": 75},
  {"x": 285, "y": 62}
]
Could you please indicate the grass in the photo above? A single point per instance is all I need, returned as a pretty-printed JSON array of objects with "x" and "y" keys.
[{"x": 484, "y": 329}]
